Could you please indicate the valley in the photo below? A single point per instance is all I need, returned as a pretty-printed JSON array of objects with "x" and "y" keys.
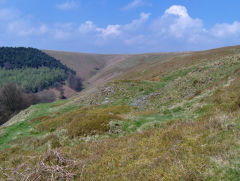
[{"x": 156, "y": 116}]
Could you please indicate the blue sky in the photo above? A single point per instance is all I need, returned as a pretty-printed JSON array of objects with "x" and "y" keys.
[{"x": 120, "y": 26}]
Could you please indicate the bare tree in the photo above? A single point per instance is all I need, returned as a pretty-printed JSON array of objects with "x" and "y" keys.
[
  {"x": 13, "y": 100},
  {"x": 75, "y": 83},
  {"x": 11, "y": 97}
]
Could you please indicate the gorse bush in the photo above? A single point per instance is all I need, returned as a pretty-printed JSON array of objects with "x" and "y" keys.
[{"x": 85, "y": 121}]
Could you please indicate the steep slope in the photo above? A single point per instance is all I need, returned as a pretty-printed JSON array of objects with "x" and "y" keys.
[
  {"x": 164, "y": 117},
  {"x": 97, "y": 69},
  {"x": 86, "y": 65}
]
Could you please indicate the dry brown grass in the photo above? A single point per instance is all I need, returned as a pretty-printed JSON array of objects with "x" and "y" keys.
[
  {"x": 151, "y": 71},
  {"x": 179, "y": 151},
  {"x": 202, "y": 149}
]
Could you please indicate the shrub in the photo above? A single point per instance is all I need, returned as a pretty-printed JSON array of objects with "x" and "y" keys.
[
  {"x": 13, "y": 100},
  {"x": 46, "y": 96},
  {"x": 75, "y": 83},
  {"x": 87, "y": 121}
]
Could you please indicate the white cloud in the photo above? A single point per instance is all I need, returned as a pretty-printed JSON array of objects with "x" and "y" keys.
[
  {"x": 226, "y": 30},
  {"x": 67, "y": 5},
  {"x": 87, "y": 27},
  {"x": 174, "y": 30},
  {"x": 63, "y": 31},
  {"x": 43, "y": 29},
  {"x": 176, "y": 22},
  {"x": 13, "y": 22},
  {"x": 113, "y": 30},
  {"x": 24, "y": 28},
  {"x": 135, "y": 24},
  {"x": 133, "y": 4},
  {"x": 19, "y": 27},
  {"x": 178, "y": 11},
  {"x": 110, "y": 30}
]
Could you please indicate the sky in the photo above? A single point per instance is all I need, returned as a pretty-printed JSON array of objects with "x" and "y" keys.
[{"x": 120, "y": 26}]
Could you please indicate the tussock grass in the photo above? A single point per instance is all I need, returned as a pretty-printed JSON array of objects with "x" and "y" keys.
[
  {"x": 85, "y": 121},
  {"x": 186, "y": 127},
  {"x": 179, "y": 151}
]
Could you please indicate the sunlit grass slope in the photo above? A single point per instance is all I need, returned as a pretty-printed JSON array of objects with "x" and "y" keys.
[{"x": 182, "y": 123}]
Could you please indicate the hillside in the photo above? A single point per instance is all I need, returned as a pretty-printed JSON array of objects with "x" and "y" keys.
[
  {"x": 85, "y": 65},
  {"x": 160, "y": 116},
  {"x": 30, "y": 68},
  {"x": 97, "y": 69}
]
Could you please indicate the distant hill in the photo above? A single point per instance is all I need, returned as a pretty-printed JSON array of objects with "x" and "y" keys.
[
  {"x": 97, "y": 69},
  {"x": 86, "y": 65}
]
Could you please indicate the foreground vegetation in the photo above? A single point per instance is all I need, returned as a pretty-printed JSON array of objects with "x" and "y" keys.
[{"x": 184, "y": 125}]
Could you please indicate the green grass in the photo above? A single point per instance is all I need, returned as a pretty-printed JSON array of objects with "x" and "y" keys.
[
  {"x": 86, "y": 121},
  {"x": 16, "y": 131},
  {"x": 27, "y": 128},
  {"x": 152, "y": 120},
  {"x": 183, "y": 127},
  {"x": 180, "y": 73}
]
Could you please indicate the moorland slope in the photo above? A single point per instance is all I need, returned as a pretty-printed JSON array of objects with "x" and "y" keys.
[{"x": 168, "y": 116}]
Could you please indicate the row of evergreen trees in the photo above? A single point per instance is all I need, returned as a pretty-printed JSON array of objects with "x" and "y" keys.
[
  {"x": 33, "y": 70},
  {"x": 11, "y": 58},
  {"x": 32, "y": 79}
]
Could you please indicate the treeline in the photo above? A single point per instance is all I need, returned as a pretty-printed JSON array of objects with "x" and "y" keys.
[
  {"x": 33, "y": 70},
  {"x": 32, "y": 79},
  {"x": 13, "y": 100},
  {"x": 26, "y": 71},
  {"x": 12, "y": 58}
]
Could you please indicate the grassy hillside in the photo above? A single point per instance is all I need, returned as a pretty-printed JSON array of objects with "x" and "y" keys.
[{"x": 164, "y": 117}]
